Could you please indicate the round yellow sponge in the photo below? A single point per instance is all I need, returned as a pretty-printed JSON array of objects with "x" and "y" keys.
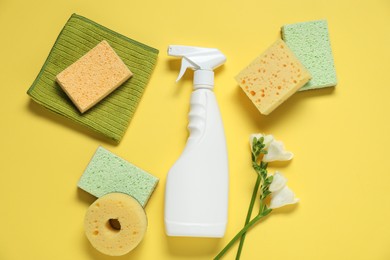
[{"x": 115, "y": 224}]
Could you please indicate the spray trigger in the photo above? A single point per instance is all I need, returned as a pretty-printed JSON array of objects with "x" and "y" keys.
[
  {"x": 186, "y": 63},
  {"x": 202, "y": 60}
]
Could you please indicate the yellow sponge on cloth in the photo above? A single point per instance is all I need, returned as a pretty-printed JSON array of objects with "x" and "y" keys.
[
  {"x": 273, "y": 77},
  {"x": 112, "y": 115},
  {"x": 93, "y": 76},
  {"x": 115, "y": 224}
]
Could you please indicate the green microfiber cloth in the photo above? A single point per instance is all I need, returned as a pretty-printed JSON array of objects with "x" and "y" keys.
[
  {"x": 310, "y": 43},
  {"x": 108, "y": 173},
  {"x": 112, "y": 115}
]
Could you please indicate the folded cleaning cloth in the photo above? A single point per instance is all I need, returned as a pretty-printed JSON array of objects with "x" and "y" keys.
[{"x": 112, "y": 115}]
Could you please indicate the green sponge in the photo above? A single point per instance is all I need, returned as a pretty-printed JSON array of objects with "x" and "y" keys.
[
  {"x": 310, "y": 43},
  {"x": 108, "y": 173}
]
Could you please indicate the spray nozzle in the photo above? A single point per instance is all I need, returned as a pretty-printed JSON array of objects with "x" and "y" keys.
[{"x": 202, "y": 60}]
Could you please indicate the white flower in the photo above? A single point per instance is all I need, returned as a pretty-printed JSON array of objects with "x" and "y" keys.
[
  {"x": 278, "y": 182},
  {"x": 276, "y": 152},
  {"x": 267, "y": 139},
  {"x": 283, "y": 197},
  {"x": 281, "y": 194}
]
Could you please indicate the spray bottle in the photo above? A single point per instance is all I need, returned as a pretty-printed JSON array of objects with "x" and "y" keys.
[{"x": 196, "y": 193}]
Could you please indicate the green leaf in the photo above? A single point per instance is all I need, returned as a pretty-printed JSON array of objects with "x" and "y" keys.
[
  {"x": 256, "y": 167},
  {"x": 261, "y": 139},
  {"x": 265, "y": 194},
  {"x": 269, "y": 180},
  {"x": 264, "y": 165}
]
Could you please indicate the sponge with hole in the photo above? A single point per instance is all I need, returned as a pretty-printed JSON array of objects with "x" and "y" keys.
[
  {"x": 108, "y": 173},
  {"x": 115, "y": 224}
]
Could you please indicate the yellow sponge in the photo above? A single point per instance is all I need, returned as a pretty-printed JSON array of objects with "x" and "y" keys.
[
  {"x": 273, "y": 77},
  {"x": 115, "y": 224},
  {"x": 93, "y": 76}
]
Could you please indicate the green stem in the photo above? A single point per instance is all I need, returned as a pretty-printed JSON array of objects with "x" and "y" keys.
[
  {"x": 239, "y": 234},
  {"x": 262, "y": 206},
  {"x": 249, "y": 214}
]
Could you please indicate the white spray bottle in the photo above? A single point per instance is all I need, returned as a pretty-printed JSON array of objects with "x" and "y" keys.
[{"x": 196, "y": 193}]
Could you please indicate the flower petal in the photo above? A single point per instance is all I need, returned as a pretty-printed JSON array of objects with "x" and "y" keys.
[
  {"x": 276, "y": 152},
  {"x": 278, "y": 182},
  {"x": 283, "y": 197}
]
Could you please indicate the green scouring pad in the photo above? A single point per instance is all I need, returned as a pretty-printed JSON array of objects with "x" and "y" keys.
[
  {"x": 108, "y": 173},
  {"x": 111, "y": 116},
  {"x": 310, "y": 43}
]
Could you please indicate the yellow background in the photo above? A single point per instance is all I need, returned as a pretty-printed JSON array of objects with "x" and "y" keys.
[{"x": 340, "y": 136}]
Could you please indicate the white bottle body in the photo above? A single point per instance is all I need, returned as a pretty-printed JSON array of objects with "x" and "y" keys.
[{"x": 196, "y": 194}]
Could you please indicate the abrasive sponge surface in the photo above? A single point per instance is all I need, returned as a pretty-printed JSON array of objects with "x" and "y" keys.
[
  {"x": 108, "y": 173},
  {"x": 310, "y": 43},
  {"x": 94, "y": 76},
  {"x": 272, "y": 77}
]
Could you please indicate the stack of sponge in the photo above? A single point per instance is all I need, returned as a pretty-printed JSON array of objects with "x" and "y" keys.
[
  {"x": 116, "y": 222},
  {"x": 301, "y": 61}
]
